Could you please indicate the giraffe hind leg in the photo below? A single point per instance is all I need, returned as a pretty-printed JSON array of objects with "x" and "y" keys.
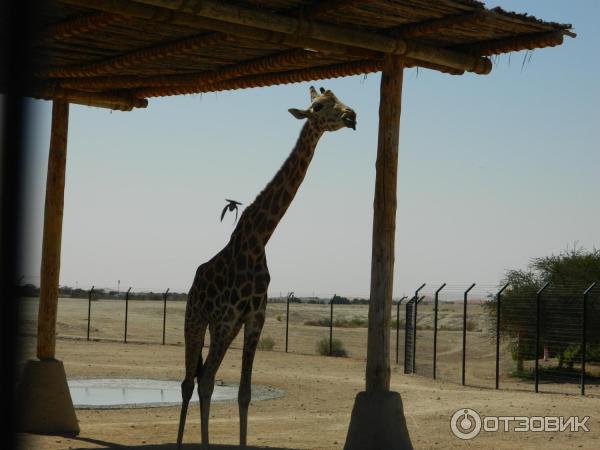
[{"x": 193, "y": 364}]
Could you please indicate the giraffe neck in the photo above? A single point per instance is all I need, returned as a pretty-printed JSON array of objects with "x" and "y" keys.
[{"x": 262, "y": 216}]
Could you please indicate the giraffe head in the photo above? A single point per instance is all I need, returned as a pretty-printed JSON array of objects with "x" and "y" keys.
[{"x": 326, "y": 112}]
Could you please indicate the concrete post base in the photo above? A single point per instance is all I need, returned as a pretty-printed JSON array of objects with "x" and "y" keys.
[
  {"x": 43, "y": 399},
  {"x": 378, "y": 423}
]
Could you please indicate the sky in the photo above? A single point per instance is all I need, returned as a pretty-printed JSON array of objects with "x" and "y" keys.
[{"x": 493, "y": 171}]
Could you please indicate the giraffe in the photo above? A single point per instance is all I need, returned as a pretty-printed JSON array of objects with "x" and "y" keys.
[{"x": 230, "y": 290}]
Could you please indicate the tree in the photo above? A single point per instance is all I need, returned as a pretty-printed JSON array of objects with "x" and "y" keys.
[{"x": 568, "y": 274}]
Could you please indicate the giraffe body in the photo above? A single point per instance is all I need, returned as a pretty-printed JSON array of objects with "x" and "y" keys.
[{"x": 230, "y": 290}]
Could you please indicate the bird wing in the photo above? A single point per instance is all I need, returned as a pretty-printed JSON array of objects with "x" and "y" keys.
[{"x": 224, "y": 211}]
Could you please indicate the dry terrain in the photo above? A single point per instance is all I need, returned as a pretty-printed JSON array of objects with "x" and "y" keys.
[{"x": 315, "y": 411}]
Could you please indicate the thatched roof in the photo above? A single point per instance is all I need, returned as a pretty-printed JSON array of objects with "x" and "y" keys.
[{"x": 118, "y": 53}]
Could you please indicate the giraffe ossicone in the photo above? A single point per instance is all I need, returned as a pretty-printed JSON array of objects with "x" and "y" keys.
[{"x": 230, "y": 290}]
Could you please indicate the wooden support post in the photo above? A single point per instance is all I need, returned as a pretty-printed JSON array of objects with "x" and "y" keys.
[
  {"x": 53, "y": 215},
  {"x": 384, "y": 227},
  {"x": 377, "y": 419},
  {"x": 42, "y": 392}
]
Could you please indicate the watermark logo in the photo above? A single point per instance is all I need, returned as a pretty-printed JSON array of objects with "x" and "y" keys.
[{"x": 466, "y": 424}]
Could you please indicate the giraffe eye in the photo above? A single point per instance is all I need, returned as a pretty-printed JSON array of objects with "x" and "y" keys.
[{"x": 317, "y": 107}]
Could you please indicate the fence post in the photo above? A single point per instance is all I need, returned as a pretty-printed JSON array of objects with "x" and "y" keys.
[
  {"x": 398, "y": 326},
  {"x": 584, "y": 336},
  {"x": 331, "y": 326},
  {"x": 165, "y": 315},
  {"x": 435, "y": 328},
  {"x": 464, "y": 340},
  {"x": 126, "y": 312},
  {"x": 414, "y": 342},
  {"x": 407, "y": 353},
  {"x": 89, "y": 311},
  {"x": 538, "y": 309},
  {"x": 287, "y": 320},
  {"x": 498, "y": 299},
  {"x": 414, "y": 353}
]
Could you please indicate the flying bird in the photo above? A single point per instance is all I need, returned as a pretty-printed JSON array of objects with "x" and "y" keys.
[{"x": 231, "y": 205}]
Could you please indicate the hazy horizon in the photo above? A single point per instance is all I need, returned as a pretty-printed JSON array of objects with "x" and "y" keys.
[{"x": 493, "y": 171}]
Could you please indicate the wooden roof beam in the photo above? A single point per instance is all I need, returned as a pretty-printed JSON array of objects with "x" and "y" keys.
[
  {"x": 137, "y": 57},
  {"x": 98, "y": 20},
  {"x": 269, "y": 79},
  {"x": 79, "y": 25},
  {"x": 276, "y": 78},
  {"x": 271, "y": 63},
  {"x": 298, "y": 39},
  {"x": 513, "y": 44},
  {"x": 268, "y": 64},
  {"x": 320, "y": 8},
  {"x": 248, "y": 17},
  {"x": 116, "y": 101},
  {"x": 429, "y": 27}
]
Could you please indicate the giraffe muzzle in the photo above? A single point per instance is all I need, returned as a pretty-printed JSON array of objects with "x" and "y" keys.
[{"x": 349, "y": 120}]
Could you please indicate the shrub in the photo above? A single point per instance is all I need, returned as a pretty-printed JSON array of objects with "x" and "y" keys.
[
  {"x": 472, "y": 325},
  {"x": 318, "y": 323},
  {"x": 394, "y": 323},
  {"x": 337, "y": 348},
  {"x": 266, "y": 344},
  {"x": 355, "y": 322}
]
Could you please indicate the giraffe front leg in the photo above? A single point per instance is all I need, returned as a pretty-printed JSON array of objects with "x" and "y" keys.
[
  {"x": 252, "y": 330},
  {"x": 220, "y": 339}
]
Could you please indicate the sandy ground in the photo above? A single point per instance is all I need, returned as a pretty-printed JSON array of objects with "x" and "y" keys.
[{"x": 320, "y": 391}]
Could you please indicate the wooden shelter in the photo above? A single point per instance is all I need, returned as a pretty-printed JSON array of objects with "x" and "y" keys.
[{"x": 119, "y": 53}]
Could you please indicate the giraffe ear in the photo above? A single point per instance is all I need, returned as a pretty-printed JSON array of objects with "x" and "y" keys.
[
  {"x": 298, "y": 113},
  {"x": 313, "y": 93}
]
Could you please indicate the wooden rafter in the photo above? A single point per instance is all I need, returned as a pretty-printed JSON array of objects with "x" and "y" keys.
[
  {"x": 226, "y": 12},
  {"x": 142, "y": 56},
  {"x": 320, "y": 8},
  {"x": 429, "y": 27},
  {"x": 282, "y": 77},
  {"x": 196, "y": 82},
  {"x": 523, "y": 42},
  {"x": 145, "y": 55},
  {"x": 285, "y": 30},
  {"x": 271, "y": 63},
  {"x": 79, "y": 25},
  {"x": 285, "y": 77}
]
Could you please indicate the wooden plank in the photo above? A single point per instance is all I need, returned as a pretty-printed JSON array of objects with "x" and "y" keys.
[
  {"x": 384, "y": 226},
  {"x": 53, "y": 215}
]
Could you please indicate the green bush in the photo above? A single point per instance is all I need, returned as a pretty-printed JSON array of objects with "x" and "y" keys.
[
  {"x": 266, "y": 343},
  {"x": 337, "y": 348}
]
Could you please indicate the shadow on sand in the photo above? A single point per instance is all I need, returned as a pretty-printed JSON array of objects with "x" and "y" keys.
[{"x": 172, "y": 446}]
